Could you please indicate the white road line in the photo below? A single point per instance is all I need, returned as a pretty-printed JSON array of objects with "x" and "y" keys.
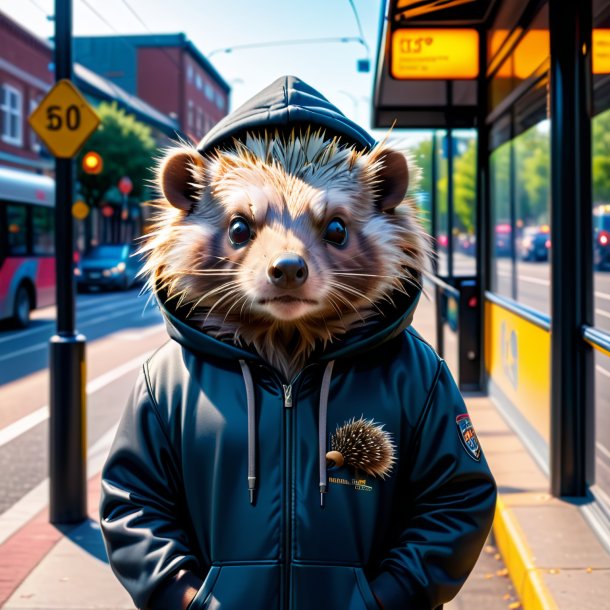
[
  {"x": 601, "y": 312},
  {"x": 602, "y": 295},
  {"x": 81, "y": 324},
  {"x": 602, "y": 449},
  {"x": 132, "y": 335},
  {"x": 80, "y": 318},
  {"x": 21, "y": 426},
  {"x": 36, "y": 499},
  {"x": 602, "y": 370}
]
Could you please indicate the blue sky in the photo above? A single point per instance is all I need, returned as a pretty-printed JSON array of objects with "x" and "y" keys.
[{"x": 214, "y": 24}]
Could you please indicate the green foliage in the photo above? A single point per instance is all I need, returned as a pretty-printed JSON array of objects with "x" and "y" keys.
[
  {"x": 126, "y": 146},
  {"x": 601, "y": 158}
]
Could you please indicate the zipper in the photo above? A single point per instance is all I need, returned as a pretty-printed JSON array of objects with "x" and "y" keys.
[{"x": 288, "y": 499}]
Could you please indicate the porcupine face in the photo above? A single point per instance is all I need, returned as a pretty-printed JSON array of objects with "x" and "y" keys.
[{"x": 283, "y": 231}]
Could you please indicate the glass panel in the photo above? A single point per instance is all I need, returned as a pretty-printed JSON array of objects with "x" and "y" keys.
[
  {"x": 601, "y": 219},
  {"x": 602, "y": 422},
  {"x": 501, "y": 242},
  {"x": 17, "y": 234},
  {"x": 532, "y": 213},
  {"x": 42, "y": 222},
  {"x": 464, "y": 202},
  {"x": 442, "y": 218}
]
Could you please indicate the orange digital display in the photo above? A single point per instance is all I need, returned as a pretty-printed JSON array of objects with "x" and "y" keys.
[
  {"x": 601, "y": 51},
  {"x": 434, "y": 53}
]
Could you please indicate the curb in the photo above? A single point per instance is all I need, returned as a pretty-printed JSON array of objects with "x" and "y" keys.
[{"x": 518, "y": 558}]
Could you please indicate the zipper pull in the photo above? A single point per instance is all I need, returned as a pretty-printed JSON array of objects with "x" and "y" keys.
[{"x": 287, "y": 396}]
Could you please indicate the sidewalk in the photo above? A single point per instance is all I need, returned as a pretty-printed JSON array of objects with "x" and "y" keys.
[{"x": 552, "y": 556}]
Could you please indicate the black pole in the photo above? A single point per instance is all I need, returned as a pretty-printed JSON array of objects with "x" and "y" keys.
[
  {"x": 67, "y": 424},
  {"x": 450, "y": 273},
  {"x": 482, "y": 222},
  {"x": 438, "y": 318},
  {"x": 571, "y": 234}
]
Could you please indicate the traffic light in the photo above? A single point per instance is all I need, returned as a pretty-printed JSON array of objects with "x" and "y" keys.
[{"x": 92, "y": 163}]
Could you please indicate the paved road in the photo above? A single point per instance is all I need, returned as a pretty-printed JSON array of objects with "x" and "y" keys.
[{"x": 120, "y": 331}]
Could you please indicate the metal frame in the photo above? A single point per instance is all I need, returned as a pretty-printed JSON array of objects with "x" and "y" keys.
[{"x": 570, "y": 26}]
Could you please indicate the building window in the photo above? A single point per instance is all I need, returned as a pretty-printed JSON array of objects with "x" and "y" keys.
[
  {"x": 190, "y": 115},
  {"x": 198, "y": 82},
  {"x": 34, "y": 141},
  {"x": 220, "y": 100},
  {"x": 209, "y": 91},
  {"x": 12, "y": 127},
  {"x": 189, "y": 73}
]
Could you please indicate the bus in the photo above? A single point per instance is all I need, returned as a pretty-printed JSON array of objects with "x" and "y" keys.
[{"x": 27, "y": 260}]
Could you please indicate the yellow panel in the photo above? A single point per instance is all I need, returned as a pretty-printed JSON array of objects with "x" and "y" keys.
[
  {"x": 531, "y": 51},
  {"x": 434, "y": 53},
  {"x": 601, "y": 51},
  {"x": 518, "y": 359}
]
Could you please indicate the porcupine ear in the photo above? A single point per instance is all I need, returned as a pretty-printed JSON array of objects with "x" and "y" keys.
[
  {"x": 393, "y": 177},
  {"x": 178, "y": 175}
]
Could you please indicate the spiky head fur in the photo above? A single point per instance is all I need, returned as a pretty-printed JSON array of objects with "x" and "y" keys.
[
  {"x": 288, "y": 188},
  {"x": 365, "y": 446}
]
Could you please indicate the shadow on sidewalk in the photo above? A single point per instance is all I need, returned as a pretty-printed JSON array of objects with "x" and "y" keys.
[{"x": 87, "y": 535}]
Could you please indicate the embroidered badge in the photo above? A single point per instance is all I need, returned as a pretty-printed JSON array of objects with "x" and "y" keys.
[{"x": 468, "y": 436}]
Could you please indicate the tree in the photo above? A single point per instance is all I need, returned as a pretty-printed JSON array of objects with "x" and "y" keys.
[{"x": 126, "y": 146}]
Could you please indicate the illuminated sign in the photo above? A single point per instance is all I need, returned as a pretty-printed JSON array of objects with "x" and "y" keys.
[
  {"x": 601, "y": 51},
  {"x": 435, "y": 54}
]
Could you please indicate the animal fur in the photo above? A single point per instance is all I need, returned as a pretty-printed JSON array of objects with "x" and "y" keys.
[{"x": 288, "y": 188}]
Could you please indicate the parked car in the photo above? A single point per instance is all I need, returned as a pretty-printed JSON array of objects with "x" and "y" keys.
[
  {"x": 503, "y": 239},
  {"x": 535, "y": 243},
  {"x": 601, "y": 236},
  {"x": 108, "y": 266}
]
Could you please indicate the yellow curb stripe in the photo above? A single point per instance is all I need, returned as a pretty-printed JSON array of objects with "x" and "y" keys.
[{"x": 527, "y": 580}]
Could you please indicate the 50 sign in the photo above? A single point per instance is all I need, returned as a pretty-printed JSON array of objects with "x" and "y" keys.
[
  {"x": 58, "y": 117},
  {"x": 64, "y": 120}
]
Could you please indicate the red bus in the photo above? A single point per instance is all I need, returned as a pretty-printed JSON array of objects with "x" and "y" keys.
[{"x": 27, "y": 261}]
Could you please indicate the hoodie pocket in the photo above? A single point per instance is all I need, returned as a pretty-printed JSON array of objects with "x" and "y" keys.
[
  {"x": 230, "y": 587},
  {"x": 331, "y": 586}
]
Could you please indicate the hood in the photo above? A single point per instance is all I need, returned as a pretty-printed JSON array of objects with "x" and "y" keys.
[{"x": 287, "y": 103}]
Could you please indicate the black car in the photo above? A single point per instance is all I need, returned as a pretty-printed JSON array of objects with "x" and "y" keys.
[
  {"x": 601, "y": 236},
  {"x": 108, "y": 266},
  {"x": 535, "y": 243}
]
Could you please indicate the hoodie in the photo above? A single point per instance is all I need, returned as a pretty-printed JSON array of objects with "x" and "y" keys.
[{"x": 217, "y": 483}]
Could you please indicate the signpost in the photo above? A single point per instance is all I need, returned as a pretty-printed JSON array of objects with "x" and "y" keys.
[{"x": 64, "y": 120}]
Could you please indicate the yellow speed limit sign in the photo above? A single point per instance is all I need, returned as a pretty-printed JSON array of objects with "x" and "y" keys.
[{"x": 64, "y": 120}]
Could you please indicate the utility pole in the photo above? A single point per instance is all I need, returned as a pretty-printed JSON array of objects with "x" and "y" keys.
[{"x": 67, "y": 424}]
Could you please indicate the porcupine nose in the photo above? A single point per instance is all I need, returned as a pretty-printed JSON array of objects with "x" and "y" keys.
[{"x": 288, "y": 270}]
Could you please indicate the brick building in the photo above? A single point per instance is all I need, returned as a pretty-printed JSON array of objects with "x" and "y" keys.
[
  {"x": 25, "y": 78},
  {"x": 165, "y": 70}
]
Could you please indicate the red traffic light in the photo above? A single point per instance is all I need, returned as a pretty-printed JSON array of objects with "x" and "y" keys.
[
  {"x": 92, "y": 163},
  {"x": 125, "y": 185}
]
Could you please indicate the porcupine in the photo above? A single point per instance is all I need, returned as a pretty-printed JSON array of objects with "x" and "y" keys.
[{"x": 280, "y": 241}]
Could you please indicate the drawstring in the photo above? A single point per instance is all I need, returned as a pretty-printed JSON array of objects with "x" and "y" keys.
[
  {"x": 324, "y": 390},
  {"x": 245, "y": 371},
  {"x": 251, "y": 408}
]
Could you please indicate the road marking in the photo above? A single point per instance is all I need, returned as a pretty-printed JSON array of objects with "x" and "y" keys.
[
  {"x": 21, "y": 426},
  {"x": 130, "y": 335},
  {"x": 82, "y": 323},
  {"x": 601, "y": 312},
  {"x": 602, "y": 295},
  {"x": 36, "y": 499},
  {"x": 602, "y": 370},
  {"x": 105, "y": 305}
]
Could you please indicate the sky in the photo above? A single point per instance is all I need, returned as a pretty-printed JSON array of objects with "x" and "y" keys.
[{"x": 215, "y": 24}]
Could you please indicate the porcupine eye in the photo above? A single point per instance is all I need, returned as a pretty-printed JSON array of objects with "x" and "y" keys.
[
  {"x": 336, "y": 232},
  {"x": 239, "y": 231}
]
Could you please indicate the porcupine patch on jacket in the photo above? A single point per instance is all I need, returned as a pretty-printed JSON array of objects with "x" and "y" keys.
[{"x": 288, "y": 187}]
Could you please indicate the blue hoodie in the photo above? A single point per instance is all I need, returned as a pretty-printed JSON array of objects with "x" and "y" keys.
[{"x": 207, "y": 418}]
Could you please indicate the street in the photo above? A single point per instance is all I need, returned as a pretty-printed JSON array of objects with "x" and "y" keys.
[{"x": 120, "y": 333}]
